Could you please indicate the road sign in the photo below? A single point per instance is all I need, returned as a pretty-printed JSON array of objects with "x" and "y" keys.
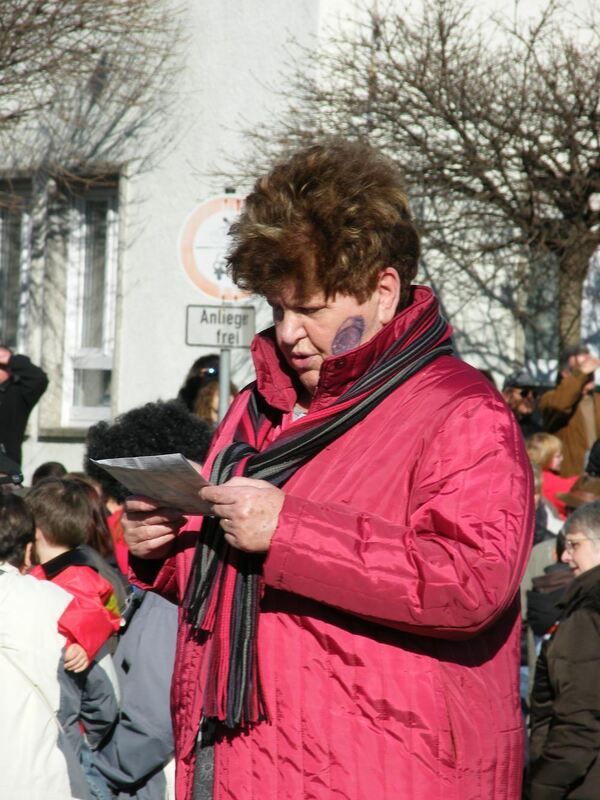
[
  {"x": 203, "y": 245},
  {"x": 220, "y": 326}
]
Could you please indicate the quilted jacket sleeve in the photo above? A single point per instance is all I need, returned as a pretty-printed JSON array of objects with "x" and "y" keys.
[
  {"x": 455, "y": 564},
  {"x": 153, "y": 574},
  {"x": 168, "y": 576}
]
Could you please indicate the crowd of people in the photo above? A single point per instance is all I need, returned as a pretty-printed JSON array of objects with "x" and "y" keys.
[
  {"x": 86, "y": 658},
  {"x": 344, "y": 620}
]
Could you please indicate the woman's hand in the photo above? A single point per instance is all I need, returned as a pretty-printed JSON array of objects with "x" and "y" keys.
[
  {"x": 148, "y": 528},
  {"x": 248, "y": 511}
]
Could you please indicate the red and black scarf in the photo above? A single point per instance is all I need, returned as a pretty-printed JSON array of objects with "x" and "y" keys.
[{"x": 224, "y": 589}]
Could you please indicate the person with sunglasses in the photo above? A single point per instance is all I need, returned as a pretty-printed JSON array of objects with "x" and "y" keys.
[
  {"x": 200, "y": 390},
  {"x": 518, "y": 391},
  {"x": 565, "y": 702}
]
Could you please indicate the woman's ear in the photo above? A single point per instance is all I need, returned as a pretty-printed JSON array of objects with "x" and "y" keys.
[{"x": 388, "y": 287}]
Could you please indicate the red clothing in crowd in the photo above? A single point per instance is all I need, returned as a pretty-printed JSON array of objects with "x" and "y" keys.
[
  {"x": 552, "y": 484},
  {"x": 94, "y": 618}
]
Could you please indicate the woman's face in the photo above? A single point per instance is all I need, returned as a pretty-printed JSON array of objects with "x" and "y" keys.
[
  {"x": 555, "y": 462},
  {"x": 582, "y": 552},
  {"x": 309, "y": 330}
]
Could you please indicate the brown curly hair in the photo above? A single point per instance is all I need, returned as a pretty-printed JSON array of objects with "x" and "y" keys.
[{"x": 329, "y": 218}]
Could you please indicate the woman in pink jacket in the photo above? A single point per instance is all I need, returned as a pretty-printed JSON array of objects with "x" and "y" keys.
[{"x": 349, "y": 622}]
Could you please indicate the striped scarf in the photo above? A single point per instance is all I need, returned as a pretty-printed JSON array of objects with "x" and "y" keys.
[{"x": 224, "y": 588}]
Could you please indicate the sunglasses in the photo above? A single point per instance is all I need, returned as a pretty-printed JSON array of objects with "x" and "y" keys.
[{"x": 525, "y": 392}]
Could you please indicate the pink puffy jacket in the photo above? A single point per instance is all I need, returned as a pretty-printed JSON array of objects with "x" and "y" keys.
[{"x": 389, "y": 630}]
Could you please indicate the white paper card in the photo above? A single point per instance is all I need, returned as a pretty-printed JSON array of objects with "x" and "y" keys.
[{"x": 170, "y": 480}]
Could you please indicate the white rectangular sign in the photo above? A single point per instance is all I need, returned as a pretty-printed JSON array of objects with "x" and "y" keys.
[{"x": 220, "y": 326}]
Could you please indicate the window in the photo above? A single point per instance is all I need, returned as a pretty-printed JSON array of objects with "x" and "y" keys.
[
  {"x": 91, "y": 296},
  {"x": 14, "y": 264}
]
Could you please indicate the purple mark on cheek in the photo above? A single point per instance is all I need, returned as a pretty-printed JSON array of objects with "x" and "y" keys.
[{"x": 348, "y": 335}]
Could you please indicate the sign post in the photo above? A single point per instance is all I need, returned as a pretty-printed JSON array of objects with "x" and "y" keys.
[{"x": 224, "y": 381}]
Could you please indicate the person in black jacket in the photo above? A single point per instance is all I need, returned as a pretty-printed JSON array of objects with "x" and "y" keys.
[
  {"x": 21, "y": 386},
  {"x": 565, "y": 703}
]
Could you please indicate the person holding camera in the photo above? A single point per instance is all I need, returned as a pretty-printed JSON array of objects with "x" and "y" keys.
[{"x": 21, "y": 386}]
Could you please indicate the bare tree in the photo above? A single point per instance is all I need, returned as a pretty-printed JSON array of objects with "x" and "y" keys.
[
  {"x": 86, "y": 88},
  {"x": 80, "y": 78},
  {"x": 497, "y": 127}
]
